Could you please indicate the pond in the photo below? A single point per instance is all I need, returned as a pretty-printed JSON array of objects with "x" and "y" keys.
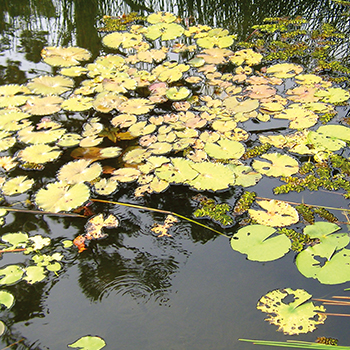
[{"x": 119, "y": 224}]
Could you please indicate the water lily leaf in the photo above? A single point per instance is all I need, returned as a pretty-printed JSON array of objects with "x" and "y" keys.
[
  {"x": 247, "y": 56},
  {"x": 260, "y": 91},
  {"x": 77, "y": 104},
  {"x": 126, "y": 174},
  {"x": 7, "y": 163},
  {"x": 90, "y": 141},
  {"x": 225, "y": 149},
  {"x": 277, "y": 214},
  {"x": 233, "y": 105},
  {"x": 311, "y": 79},
  {"x": 7, "y": 143},
  {"x": 13, "y": 95},
  {"x": 9, "y": 120},
  {"x": 160, "y": 148},
  {"x": 135, "y": 106},
  {"x": 257, "y": 243},
  {"x": 105, "y": 187},
  {"x": 303, "y": 94},
  {"x": 59, "y": 196},
  {"x": 224, "y": 125},
  {"x": 47, "y": 85},
  {"x": 179, "y": 171},
  {"x": 141, "y": 128},
  {"x": 11, "y": 274},
  {"x": 295, "y": 317},
  {"x": 73, "y": 71},
  {"x": 124, "y": 120},
  {"x": 34, "y": 274},
  {"x": 300, "y": 118},
  {"x": 79, "y": 171},
  {"x": 69, "y": 140},
  {"x": 17, "y": 239},
  {"x": 161, "y": 17},
  {"x": 245, "y": 176},
  {"x": 177, "y": 94},
  {"x": 277, "y": 165},
  {"x": 40, "y": 242},
  {"x": 119, "y": 83},
  {"x": 167, "y": 31},
  {"x": 88, "y": 343},
  {"x": 64, "y": 56},
  {"x": 329, "y": 137},
  {"x": 43, "y": 105},
  {"x": 17, "y": 185},
  {"x": 137, "y": 155},
  {"x": 284, "y": 70},
  {"x": 215, "y": 55},
  {"x": 333, "y": 95},
  {"x": 54, "y": 267},
  {"x": 13, "y": 89},
  {"x": 27, "y": 135},
  {"x": 210, "y": 41},
  {"x": 124, "y": 39},
  {"x": 39, "y": 154},
  {"x": 6, "y": 298},
  {"x": 107, "y": 101},
  {"x": 212, "y": 176},
  {"x": 335, "y": 270}
]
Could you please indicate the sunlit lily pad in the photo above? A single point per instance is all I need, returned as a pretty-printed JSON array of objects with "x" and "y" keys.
[
  {"x": 34, "y": 274},
  {"x": 48, "y": 85},
  {"x": 64, "y": 56},
  {"x": 126, "y": 174},
  {"x": 161, "y": 17},
  {"x": 277, "y": 165},
  {"x": 284, "y": 70},
  {"x": 291, "y": 311},
  {"x": 39, "y": 154},
  {"x": 234, "y": 106},
  {"x": 247, "y": 56},
  {"x": 300, "y": 118},
  {"x": 160, "y": 148},
  {"x": 177, "y": 94},
  {"x": 13, "y": 120},
  {"x": 277, "y": 214},
  {"x": 27, "y": 135},
  {"x": 212, "y": 176},
  {"x": 77, "y": 104},
  {"x": 6, "y": 299},
  {"x": 59, "y": 196},
  {"x": 141, "y": 128},
  {"x": 104, "y": 187},
  {"x": 73, "y": 71},
  {"x": 245, "y": 176},
  {"x": 79, "y": 171},
  {"x": 333, "y": 95},
  {"x": 69, "y": 140},
  {"x": 124, "y": 39},
  {"x": 11, "y": 274},
  {"x": 260, "y": 243},
  {"x": 88, "y": 343},
  {"x": 136, "y": 106},
  {"x": 165, "y": 31},
  {"x": 43, "y": 105},
  {"x": 216, "y": 37},
  {"x": 137, "y": 155},
  {"x": 17, "y": 185},
  {"x": 179, "y": 171},
  {"x": 225, "y": 149}
]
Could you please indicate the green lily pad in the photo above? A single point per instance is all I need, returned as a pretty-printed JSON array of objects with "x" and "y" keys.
[
  {"x": 178, "y": 171},
  {"x": 211, "y": 176},
  {"x": 17, "y": 239},
  {"x": 277, "y": 165},
  {"x": 59, "y": 196},
  {"x": 79, "y": 171},
  {"x": 6, "y": 298},
  {"x": 11, "y": 274},
  {"x": 88, "y": 343},
  {"x": 17, "y": 185},
  {"x": 40, "y": 242},
  {"x": 257, "y": 243},
  {"x": 177, "y": 94},
  {"x": 165, "y": 31},
  {"x": 34, "y": 274},
  {"x": 245, "y": 176},
  {"x": 333, "y": 95},
  {"x": 294, "y": 317},
  {"x": 225, "y": 149}
]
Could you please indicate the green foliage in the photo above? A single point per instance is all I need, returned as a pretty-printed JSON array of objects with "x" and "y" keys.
[
  {"x": 216, "y": 212},
  {"x": 112, "y": 24},
  {"x": 256, "y": 151},
  {"x": 327, "y": 341},
  {"x": 88, "y": 343},
  {"x": 299, "y": 240},
  {"x": 244, "y": 202}
]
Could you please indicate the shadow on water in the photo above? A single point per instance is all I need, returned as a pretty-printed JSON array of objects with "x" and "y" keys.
[{"x": 188, "y": 291}]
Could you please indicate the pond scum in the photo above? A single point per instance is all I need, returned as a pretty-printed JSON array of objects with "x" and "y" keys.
[{"x": 169, "y": 102}]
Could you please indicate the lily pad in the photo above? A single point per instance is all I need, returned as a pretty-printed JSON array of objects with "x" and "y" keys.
[
  {"x": 59, "y": 196},
  {"x": 64, "y": 56},
  {"x": 277, "y": 214},
  {"x": 10, "y": 274},
  {"x": 43, "y": 105},
  {"x": 124, "y": 39},
  {"x": 284, "y": 70},
  {"x": 28, "y": 135},
  {"x": 177, "y": 94},
  {"x": 48, "y": 85},
  {"x": 257, "y": 243},
  {"x": 39, "y": 154},
  {"x": 225, "y": 149},
  {"x": 88, "y": 343},
  {"x": 295, "y": 317},
  {"x": 17, "y": 185},
  {"x": 34, "y": 274},
  {"x": 79, "y": 171},
  {"x": 178, "y": 171},
  {"x": 6, "y": 299},
  {"x": 277, "y": 165},
  {"x": 126, "y": 174}
]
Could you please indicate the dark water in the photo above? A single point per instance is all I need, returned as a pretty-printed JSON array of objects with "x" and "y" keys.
[{"x": 187, "y": 292}]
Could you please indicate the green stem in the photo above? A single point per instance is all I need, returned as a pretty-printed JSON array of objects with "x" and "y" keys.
[{"x": 160, "y": 211}]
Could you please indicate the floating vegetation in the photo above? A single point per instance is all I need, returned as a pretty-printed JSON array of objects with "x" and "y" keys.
[
  {"x": 212, "y": 210},
  {"x": 244, "y": 202}
]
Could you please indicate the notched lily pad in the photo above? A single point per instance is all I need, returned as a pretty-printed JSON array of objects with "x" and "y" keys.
[
  {"x": 277, "y": 165},
  {"x": 257, "y": 243}
]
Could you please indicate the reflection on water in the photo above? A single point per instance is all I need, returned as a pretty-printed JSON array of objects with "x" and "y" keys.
[{"x": 188, "y": 291}]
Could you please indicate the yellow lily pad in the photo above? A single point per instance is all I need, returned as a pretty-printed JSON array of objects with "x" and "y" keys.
[
  {"x": 48, "y": 85},
  {"x": 17, "y": 185},
  {"x": 79, "y": 171},
  {"x": 39, "y": 154},
  {"x": 277, "y": 164},
  {"x": 64, "y": 56}
]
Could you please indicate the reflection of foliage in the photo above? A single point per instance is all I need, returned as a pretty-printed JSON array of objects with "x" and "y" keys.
[
  {"x": 32, "y": 43},
  {"x": 216, "y": 212},
  {"x": 112, "y": 24}
]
